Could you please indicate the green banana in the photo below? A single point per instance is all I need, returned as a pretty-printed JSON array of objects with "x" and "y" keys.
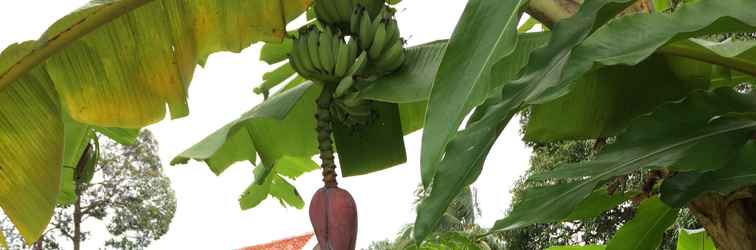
[
  {"x": 342, "y": 60},
  {"x": 321, "y": 13},
  {"x": 338, "y": 41},
  {"x": 312, "y": 47},
  {"x": 366, "y": 33},
  {"x": 295, "y": 65},
  {"x": 372, "y": 6},
  {"x": 332, "y": 12},
  {"x": 344, "y": 9},
  {"x": 301, "y": 54},
  {"x": 354, "y": 22},
  {"x": 391, "y": 54},
  {"x": 325, "y": 50},
  {"x": 379, "y": 41},
  {"x": 358, "y": 64},
  {"x": 354, "y": 48},
  {"x": 343, "y": 86},
  {"x": 392, "y": 31},
  {"x": 393, "y": 65}
]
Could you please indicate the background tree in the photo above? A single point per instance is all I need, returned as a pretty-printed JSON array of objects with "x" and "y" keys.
[
  {"x": 128, "y": 191},
  {"x": 599, "y": 230}
]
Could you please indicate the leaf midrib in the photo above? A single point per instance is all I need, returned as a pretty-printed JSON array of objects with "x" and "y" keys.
[{"x": 64, "y": 38}]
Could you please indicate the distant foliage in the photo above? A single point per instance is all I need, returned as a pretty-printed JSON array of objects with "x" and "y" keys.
[{"x": 129, "y": 192}]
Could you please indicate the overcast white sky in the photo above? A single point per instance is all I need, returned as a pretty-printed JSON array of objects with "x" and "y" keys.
[{"x": 208, "y": 215}]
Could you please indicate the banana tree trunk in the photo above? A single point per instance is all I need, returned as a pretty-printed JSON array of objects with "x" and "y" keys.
[{"x": 730, "y": 220}]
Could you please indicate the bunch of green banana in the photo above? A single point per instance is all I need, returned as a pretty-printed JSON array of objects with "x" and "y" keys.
[
  {"x": 349, "y": 108},
  {"x": 338, "y": 12},
  {"x": 380, "y": 37},
  {"x": 324, "y": 56}
]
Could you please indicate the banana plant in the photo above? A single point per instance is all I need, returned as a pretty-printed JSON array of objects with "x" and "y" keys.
[{"x": 676, "y": 102}]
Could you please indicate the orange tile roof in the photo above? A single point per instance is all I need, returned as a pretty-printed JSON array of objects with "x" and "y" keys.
[{"x": 293, "y": 243}]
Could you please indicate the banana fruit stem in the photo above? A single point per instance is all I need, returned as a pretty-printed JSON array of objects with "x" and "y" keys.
[{"x": 325, "y": 144}]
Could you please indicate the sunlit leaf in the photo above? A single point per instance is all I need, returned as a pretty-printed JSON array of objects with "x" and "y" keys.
[
  {"x": 285, "y": 193},
  {"x": 694, "y": 240},
  {"x": 31, "y": 148},
  {"x": 293, "y": 167},
  {"x": 646, "y": 229},
  {"x": 125, "y": 136}
]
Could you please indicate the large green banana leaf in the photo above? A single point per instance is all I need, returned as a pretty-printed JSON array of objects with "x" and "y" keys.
[
  {"x": 631, "y": 39},
  {"x": 602, "y": 108},
  {"x": 465, "y": 154},
  {"x": 114, "y": 63},
  {"x": 464, "y": 75},
  {"x": 674, "y": 136},
  {"x": 568, "y": 57}
]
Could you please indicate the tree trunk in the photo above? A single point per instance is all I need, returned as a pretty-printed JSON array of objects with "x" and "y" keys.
[
  {"x": 730, "y": 220},
  {"x": 78, "y": 189},
  {"x": 77, "y": 218}
]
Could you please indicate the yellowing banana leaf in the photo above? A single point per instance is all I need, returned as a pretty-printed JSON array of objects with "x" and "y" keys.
[
  {"x": 111, "y": 64},
  {"x": 31, "y": 148},
  {"x": 128, "y": 59}
]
